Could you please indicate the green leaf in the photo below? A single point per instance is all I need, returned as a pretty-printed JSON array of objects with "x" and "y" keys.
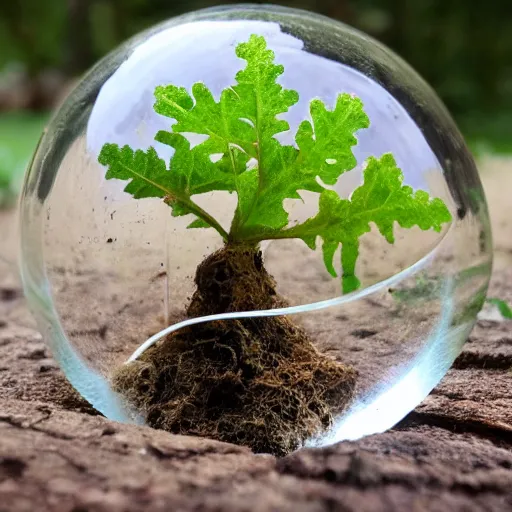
[
  {"x": 246, "y": 112},
  {"x": 191, "y": 172},
  {"x": 201, "y": 114},
  {"x": 198, "y": 223},
  {"x": 147, "y": 173},
  {"x": 261, "y": 208},
  {"x": 502, "y": 306},
  {"x": 326, "y": 145},
  {"x": 325, "y": 152},
  {"x": 260, "y": 97},
  {"x": 382, "y": 200},
  {"x": 244, "y": 118}
]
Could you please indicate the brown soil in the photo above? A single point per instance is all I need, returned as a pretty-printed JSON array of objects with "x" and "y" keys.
[{"x": 259, "y": 382}]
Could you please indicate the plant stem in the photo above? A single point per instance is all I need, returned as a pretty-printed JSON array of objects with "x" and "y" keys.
[
  {"x": 172, "y": 196},
  {"x": 274, "y": 235},
  {"x": 199, "y": 212}
]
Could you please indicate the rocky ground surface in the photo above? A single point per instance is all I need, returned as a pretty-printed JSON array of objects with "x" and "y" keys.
[{"x": 454, "y": 452}]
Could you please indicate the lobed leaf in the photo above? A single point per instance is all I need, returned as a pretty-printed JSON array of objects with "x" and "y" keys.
[
  {"x": 325, "y": 152},
  {"x": 191, "y": 172},
  {"x": 382, "y": 199}
]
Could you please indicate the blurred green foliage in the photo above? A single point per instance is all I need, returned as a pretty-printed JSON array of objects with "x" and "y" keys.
[
  {"x": 19, "y": 133},
  {"x": 462, "y": 48}
]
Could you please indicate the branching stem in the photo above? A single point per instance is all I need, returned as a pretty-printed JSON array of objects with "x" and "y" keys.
[{"x": 199, "y": 212}]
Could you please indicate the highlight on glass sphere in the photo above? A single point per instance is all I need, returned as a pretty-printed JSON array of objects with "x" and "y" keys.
[{"x": 257, "y": 225}]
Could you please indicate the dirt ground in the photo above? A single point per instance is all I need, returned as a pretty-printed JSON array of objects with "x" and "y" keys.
[{"x": 454, "y": 452}]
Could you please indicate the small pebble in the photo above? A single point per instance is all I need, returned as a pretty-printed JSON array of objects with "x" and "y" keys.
[{"x": 47, "y": 366}]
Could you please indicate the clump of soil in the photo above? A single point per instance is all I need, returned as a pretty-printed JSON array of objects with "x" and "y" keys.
[{"x": 255, "y": 382}]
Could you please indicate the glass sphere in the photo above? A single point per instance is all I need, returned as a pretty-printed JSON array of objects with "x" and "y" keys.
[{"x": 252, "y": 338}]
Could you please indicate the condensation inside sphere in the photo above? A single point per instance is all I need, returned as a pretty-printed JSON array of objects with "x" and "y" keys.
[{"x": 104, "y": 272}]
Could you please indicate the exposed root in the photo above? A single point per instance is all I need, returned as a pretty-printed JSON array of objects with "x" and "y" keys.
[{"x": 255, "y": 382}]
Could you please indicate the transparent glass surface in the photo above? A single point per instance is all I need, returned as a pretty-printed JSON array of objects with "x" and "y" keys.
[{"x": 104, "y": 272}]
